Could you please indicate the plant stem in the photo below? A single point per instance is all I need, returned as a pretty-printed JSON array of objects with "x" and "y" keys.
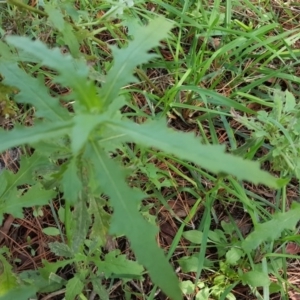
[{"x": 27, "y": 7}]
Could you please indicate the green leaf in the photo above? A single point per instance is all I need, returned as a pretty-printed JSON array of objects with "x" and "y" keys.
[
  {"x": 101, "y": 222},
  {"x": 100, "y": 290},
  {"x": 73, "y": 288},
  {"x": 83, "y": 125},
  {"x": 255, "y": 278},
  {"x": 233, "y": 255},
  {"x": 187, "y": 287},
  {"x": 79, "y": 225},
  {"x": 52, "y": 231},
  {"x": 136, "y": 53},
  {"x": 25, "y": 135},
  {"x": 20, "y": 293},
  {"x": 8, "y": 280},
  {"x": 60, "y": 249},
  {"x": 187, "y": 146},
  {"x": 191, "y": 263},
  {"x": 84, "y": 90},
  {"x": 271, "y": 230},
  {"x": 36, "y": 195},
  {"x": 119, "y": 265},
  {"x": 127, "y": 220},
  {"x": 33, "y": 91},
  {"x": 71, "y": 183},
  {"x": 194, "y": 236},
  {"x": 56, "y": 17}
]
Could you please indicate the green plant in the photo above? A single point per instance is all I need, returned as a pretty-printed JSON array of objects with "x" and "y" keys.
[
  {"x": 280, "y": 128},
  {"x": 76, "y": 153}
]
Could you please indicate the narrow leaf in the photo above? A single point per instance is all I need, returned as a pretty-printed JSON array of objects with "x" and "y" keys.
[
  {"x": 80, "y": 225},
  {"x": 136, "y": 53},
  {"x": 25, "y": 135},
  {"x": 271, "y": 230},
  {"x": 34, "y": 92},
  {"x": 72, "y": 73},
  {"x": 188, "y": 147},
  {"x": 71, "y": 183},
  {"x": 127, "y": 220}
]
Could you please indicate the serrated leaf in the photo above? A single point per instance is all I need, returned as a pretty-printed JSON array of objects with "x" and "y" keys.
[
  {"x": 84, "y": 90},
  {"x": 187, "y": 146},
  {"x": 136, "y": 53},
  {"x": 56, "y": 17},
  {"x": 8, "y": 280},
  {"x": 73, "y": 288},
  {"x": 34, "y": 92},
  {"x": 194, "y": 236},
  {"x": 271, "y": 230},
  {"x": 255, "y": 279},
  {"x": 79, "y": 225},
  {"x": 71, "y": 183},
  {"x": 60, "y": 249},
  {"x": 101, "y": 222},
  {"x": 36, "y": 195},
  {"x": 100, "y": 290},
  {"x": 25, "y": 135},
  {"x": 119, "y": 265},
  {"x": 127, "y": 220}
]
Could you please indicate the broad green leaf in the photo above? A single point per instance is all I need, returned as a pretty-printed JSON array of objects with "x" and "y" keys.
[
  {"x": 191, "y": 263},
  {"x": 60, "y": 249},
  {"x": 52, "y": 231},
  {"x": 271, "y": 230},
  {"x": 119, "y": 265},
  {"x": 36, "y": 195},
  {"x": 187, "y": 146},
  {"x": 127, "y": 220},
  {"x": 187, "y": 287},
  {"x": 3, "y": 183},
  {"x": 255, "y": 279},
  {"x": 71, "y": 182},
  {"x": 73, "y": 288},
  {"x": 79, "y": 225},
  {"x": 34, "y": 92},
  {"x": 26, "y": 135},
  {"x": 8, "y": 280},
  {"x": 194, "y": 236},
  {"x": 233, "y": 255},
  {"x": 136, "y": 53},
  {"x": 40, "y": 283},
  {"x": 21, "y": 293},
  {"x": 72, "y": 73}
]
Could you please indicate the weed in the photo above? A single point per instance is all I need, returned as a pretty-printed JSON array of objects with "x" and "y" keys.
[{"x": 102, "y": 162}]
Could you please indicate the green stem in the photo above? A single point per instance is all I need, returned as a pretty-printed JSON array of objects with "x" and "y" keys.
[{"x": 27, "y": 7}]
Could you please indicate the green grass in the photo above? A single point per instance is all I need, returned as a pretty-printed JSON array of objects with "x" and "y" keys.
[{"x": 115, "y": 167}]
